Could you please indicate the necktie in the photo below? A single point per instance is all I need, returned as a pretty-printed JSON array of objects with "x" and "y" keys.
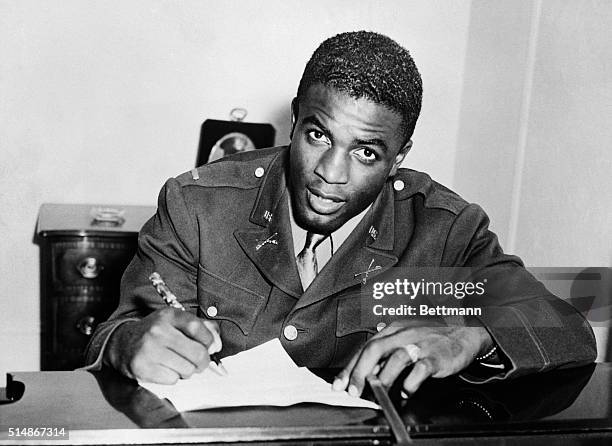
[{"x": 307, "y": 259}]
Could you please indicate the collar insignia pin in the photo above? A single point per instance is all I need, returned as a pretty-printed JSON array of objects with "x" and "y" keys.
[
  {"x": 269, "y": 240},
  {"x": 367, "y": 272},
  {"x": 268, "y": 216},
  {"x": 373, "y": 232}
]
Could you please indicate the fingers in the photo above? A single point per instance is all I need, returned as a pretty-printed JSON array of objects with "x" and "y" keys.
[
  {"x": 160, "y": 375},
  {"x": 169, "y": 344},
  {"x": 396, "y": 363},
  {"x": 216, "y": 345},
  {"x": 374, "y": 352},
  {"x": 188, "y": 349},
  {"x": 193, "y": 327},
  {"x": 422, "y": 370},
  {"x": 434, "y": 351},
  {"x": 181, "y": 367},
  {"x": 342, "y": 379},
  {"x": 182, "y": 333},
  {"x": 156, "y": 363},
  {"x": 352, "y": 377},
  {"x": 213, "y": 327}
]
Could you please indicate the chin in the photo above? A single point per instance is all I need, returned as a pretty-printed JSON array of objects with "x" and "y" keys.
[{"x": 320, "y": 224}]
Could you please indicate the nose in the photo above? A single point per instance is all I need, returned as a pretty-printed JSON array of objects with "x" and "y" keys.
[{"x": 333, "y": 166}]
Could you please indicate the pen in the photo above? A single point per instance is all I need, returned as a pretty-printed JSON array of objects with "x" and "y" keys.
[{"x": 170, "y": 299}]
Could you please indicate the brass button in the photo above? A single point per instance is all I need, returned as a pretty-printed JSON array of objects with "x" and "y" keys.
[
  {"x": 398, "y": 185},
  {"x": 212, "y": 311},
  {"x": 259, "y": 172},
  {"x": 290, "y": 333},
  {"x": 380, "y": 326}
]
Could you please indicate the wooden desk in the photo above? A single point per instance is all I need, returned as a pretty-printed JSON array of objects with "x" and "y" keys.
[{"x": 105, "y": 408}]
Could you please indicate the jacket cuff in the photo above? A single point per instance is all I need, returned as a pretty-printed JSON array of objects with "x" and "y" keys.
[
  {"x": 97, "y": 346},
  {"x": 518, "y": 345}
]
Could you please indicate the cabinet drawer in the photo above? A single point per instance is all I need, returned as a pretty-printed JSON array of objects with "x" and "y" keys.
[
  {"x": 75, "y": 319},
  {"x": 90, "y": 263}
]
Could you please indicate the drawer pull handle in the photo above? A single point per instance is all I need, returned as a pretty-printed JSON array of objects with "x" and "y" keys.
[
  {"x": 90, "y": 268},
  {"x": 86, "y": 325}
]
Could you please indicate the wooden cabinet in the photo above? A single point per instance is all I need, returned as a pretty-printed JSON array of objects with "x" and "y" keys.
[{"x": 84, "y": 251}]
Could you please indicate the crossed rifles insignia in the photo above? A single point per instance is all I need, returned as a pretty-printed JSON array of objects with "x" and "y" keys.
[
  {"x": 270, "y": 240},
  {"x": 365, "y": 274}
]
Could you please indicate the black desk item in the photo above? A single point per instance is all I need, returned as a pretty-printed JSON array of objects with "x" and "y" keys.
[
  {"x": 400, "y": 433},
  {"x": 84, "y": 251},
  {"x": 561, "y": 407},
  {"x": 221, "y": 138}
]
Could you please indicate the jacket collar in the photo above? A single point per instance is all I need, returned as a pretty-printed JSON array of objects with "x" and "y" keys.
[
  {"x": 382, "y": 228},
  {"x": 270, "y": 245},
  {"x": 271, "y": 191}
]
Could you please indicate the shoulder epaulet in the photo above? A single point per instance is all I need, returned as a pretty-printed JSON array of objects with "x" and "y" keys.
[
  {"x": 243, "y": 171},
  {"x": 408, "y": 182}
]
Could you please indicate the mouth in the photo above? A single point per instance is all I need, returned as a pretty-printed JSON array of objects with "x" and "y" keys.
[{"x": 323, "y": 203}]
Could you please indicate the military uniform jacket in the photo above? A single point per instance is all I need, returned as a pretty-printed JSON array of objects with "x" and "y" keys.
[{"x": 221, "y": 238}]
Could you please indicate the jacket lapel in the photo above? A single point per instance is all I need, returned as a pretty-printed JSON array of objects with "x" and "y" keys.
[{"x": 270, "y": 245}]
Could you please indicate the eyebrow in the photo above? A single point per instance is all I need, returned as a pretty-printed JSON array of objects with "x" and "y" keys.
[
  {"x": 373, "y": 142},
  {"x": 315, "y": 121},
  {"x": 362, "y": 142}
]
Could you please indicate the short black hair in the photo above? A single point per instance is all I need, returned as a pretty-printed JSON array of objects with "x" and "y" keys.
[{"x": 370, "y": 65}]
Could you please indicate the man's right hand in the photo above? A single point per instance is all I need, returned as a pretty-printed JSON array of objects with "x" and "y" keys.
[{"x": 166, "y": 345}]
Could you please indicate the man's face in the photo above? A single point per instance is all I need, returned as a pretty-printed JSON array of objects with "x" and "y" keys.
[{"x": 342, "y": 152}]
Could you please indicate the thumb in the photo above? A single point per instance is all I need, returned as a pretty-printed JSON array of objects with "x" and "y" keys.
[{"x": 216, "y": 344}]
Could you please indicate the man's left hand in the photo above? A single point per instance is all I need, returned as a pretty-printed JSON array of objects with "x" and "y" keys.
[{"x": 439, "y": 352}]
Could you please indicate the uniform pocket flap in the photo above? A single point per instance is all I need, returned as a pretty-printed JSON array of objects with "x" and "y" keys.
[
  {"x": 349, "y": 318},
  {"x": 224, "y": 300}
]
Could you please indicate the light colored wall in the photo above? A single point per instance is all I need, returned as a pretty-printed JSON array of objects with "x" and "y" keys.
[
  {"x": 101, "y": 102},
  {"x": 564, "y": 215},
  {"x": 534, "y": 138},
  {"x": 496, "y": 74}
]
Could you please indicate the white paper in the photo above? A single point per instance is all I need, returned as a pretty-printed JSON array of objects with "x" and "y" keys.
[{"x": 262, "y": 376}]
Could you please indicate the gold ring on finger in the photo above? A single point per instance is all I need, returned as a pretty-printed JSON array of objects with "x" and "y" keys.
[{"x": 413, "y": 351}]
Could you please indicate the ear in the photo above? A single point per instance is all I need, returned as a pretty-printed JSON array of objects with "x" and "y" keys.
[
  {"x": 294, "y": 114},
  {"x": 399, "y": 158}
]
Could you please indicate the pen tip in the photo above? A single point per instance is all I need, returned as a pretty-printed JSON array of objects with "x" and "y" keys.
[
  {"x": 218, "y": 365},
  {"x": 221, "y": 367},
  {"x": 218, "y": 368}
]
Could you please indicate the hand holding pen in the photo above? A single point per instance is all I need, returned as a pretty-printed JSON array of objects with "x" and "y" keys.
[
  {"x": 171, "y": 300},
  {"x": 163, "y": 347}
]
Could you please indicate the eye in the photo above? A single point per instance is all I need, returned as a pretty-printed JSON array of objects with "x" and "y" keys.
[
  {"x": 317, "y": 136},
  {"x": 366, "y": 155}
]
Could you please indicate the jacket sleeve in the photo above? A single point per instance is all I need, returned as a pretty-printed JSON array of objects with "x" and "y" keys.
[
  {"x": 535, "y": 330},
  {"x": 167, "y": 244}
]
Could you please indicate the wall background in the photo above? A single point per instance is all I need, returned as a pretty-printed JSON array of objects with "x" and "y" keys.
[{"x": 101, "y": 102}]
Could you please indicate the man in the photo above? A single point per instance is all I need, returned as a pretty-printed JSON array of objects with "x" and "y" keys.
[{"x": 273, "y": 243}]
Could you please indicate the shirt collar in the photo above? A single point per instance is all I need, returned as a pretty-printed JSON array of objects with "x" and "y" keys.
[{"x": 328, "y": 247}]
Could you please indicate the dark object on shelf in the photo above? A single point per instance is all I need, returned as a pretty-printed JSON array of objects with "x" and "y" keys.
[
  {"x": 222, "y": 138},
  {"x": 84, "y": 251}
]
